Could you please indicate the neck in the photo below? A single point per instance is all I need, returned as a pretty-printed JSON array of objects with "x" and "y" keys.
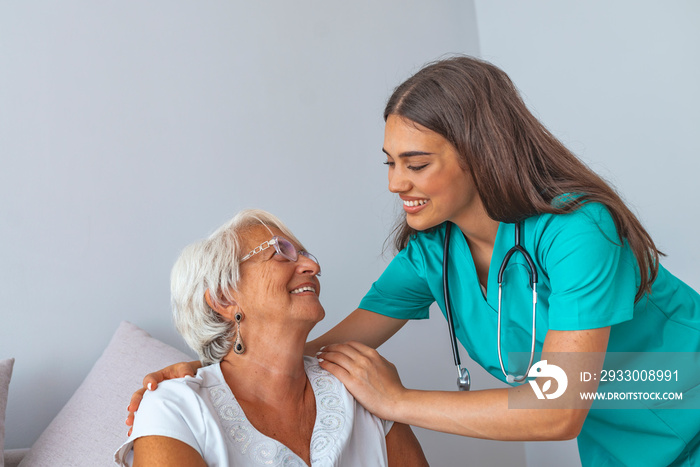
[
  {"x": 478, "y": 228},
  {"x": 271, "y": 371},
  {"x": 480, "y": 232}
]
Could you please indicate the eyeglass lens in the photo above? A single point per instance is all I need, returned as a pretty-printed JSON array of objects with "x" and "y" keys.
[{"x": 286, "y": 249}]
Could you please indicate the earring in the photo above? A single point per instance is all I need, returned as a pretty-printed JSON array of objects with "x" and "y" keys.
[{"x": 238, "y": 346}]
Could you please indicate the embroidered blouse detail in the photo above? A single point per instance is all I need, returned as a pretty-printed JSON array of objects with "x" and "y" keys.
[
  {"x": 331, "y": 420},
  {"x": 331, "y": 413}
]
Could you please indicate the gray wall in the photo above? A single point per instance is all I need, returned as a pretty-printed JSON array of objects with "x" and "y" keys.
[
  {"x": 618, "y": 83},
  {"x": 129, "y": 129}
]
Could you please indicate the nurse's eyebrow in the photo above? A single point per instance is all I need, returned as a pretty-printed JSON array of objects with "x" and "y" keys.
[{"x": 409, "y": 153}]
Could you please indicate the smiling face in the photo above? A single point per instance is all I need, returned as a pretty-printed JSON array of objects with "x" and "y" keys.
[
  {"x": 424, "y": 170},
  {"x": 273, "y": 288}
]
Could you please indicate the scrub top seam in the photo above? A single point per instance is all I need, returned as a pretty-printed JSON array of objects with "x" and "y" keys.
[
  {"x": 685, "y": 442},
  {"x": 669, "y": 317}
]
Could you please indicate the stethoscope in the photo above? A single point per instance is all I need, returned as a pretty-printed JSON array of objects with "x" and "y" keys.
[{"x": 463, "y": 377}]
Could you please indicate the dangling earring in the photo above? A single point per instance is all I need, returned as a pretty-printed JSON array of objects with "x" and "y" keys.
[{"x": 238, "y": 346}]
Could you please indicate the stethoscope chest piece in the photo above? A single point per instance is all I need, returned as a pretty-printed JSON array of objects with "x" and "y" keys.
[{"x": 464, "y": 380}]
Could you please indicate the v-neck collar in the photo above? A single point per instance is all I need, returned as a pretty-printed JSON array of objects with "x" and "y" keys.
[
  {"x": 500, "y": 246},
  {"x": 330, "y": 432}
]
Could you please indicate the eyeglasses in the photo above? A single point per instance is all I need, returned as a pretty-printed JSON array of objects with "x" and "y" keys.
[{"x": 285, "y": 248}]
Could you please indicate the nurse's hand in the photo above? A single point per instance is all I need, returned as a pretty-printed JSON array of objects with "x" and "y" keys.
[{"x": 369, "y": 377}]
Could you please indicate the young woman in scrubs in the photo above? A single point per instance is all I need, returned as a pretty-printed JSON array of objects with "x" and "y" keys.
[{"x": 462, "y": 148}]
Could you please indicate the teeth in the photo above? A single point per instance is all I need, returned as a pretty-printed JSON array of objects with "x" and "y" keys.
[
  {"x": 419, "y": 202},
  {"x": 304, "y": 289}
]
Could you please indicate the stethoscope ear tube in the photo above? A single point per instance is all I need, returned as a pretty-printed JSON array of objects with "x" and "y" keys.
[{"x": 463, "y": 377}]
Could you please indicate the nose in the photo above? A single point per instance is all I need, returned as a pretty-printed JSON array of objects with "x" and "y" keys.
[
  {"x": 398, "y": 182},
  {"x": 306, "y": 265}
]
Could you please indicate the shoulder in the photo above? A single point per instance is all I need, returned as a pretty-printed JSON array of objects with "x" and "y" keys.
[
  {"x": 184, "y": 391},
  {"x": 591, "y": 225},
  {"x": 424, "y": 247},
  {"x": 588, "y": 215},
  {"x": 182, "y": 405},
  {"x": 177, "y": 409},
  {"x": 590, "y": 269}
]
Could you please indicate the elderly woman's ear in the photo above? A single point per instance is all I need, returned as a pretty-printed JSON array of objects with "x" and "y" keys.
[{"x": 224, "y": 306}]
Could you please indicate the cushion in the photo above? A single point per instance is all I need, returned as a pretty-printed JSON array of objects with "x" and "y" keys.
[
  {"x": 90, "y": 427},
  {"x": 5, "y": 375},
  {"x": 14, "y": 456}
]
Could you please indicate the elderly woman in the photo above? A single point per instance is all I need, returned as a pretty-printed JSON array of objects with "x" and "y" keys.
[{"x": 245, "y": 300}]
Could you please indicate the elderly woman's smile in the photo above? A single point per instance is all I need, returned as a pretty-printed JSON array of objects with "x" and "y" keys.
[{"x": 304, "y": 288}]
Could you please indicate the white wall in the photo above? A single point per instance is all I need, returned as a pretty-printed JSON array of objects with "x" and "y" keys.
[
  {"x": 129, "y": 129},
  {"x": 618, "y": 83}
]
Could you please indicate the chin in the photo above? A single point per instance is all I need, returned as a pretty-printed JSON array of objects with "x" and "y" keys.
[
  {"x": 420, "y": 224},
  {"x": 320, "y": 314}
]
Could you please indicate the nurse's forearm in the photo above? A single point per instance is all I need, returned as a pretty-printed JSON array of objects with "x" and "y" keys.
[
  {"x": 485, "y": 414},
  {"x": 372, "y": 329}
]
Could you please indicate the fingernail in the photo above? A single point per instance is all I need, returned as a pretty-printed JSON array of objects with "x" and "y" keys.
[
  {"x": 322, "y": 349},
  {"x": 319, "y": 353},
  {"x": 320, "y": 360},
  {"x": 150, "y": 386}
]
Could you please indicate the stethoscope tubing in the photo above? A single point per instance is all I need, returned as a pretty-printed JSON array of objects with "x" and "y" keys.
[
  {"x": 463, "y": 376},
  {"x": 510, "y": 378},
  {"x": 517, "y": 248},
  {"x": 446, "y": 290},
  {"x": 464, "y": 379}
]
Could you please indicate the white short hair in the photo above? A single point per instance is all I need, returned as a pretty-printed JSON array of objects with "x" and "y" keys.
[{"x": 213, "y": 264}]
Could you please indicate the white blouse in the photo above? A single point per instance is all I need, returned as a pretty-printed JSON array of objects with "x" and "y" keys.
[{"x": 202, "y": 412}]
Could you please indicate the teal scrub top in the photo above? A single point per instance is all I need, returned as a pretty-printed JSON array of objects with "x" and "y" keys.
[{"x": 587, "y": 279}]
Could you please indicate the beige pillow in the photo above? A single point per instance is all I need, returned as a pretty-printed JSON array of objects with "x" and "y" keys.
[
  {"x": 5, "y": 375},
  {"x": 90, "y": 427}
]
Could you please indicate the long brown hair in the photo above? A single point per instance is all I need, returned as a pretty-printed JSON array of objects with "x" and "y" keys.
[{"x": 517, "y": 165}]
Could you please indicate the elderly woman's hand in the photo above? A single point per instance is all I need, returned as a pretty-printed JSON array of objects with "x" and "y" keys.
[
  {"x": 369, "y": 377},
  {"x": 150, "y": 382}
]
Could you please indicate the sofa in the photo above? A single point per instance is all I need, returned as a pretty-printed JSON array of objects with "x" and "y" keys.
[{"x": 90, "y": 427}]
